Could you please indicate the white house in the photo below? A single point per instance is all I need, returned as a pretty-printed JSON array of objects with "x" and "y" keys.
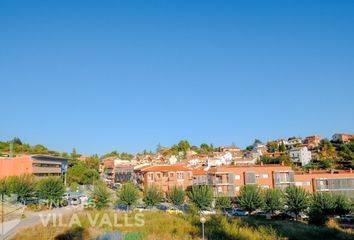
[{"x": 300, "y": 155}]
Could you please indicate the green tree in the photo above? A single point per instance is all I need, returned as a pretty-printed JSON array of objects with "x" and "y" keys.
[
  {"x": 16, "y": 140},
  {"x": 273, "y": 200},
  {"x": 176, "y": 196},
  {"x": 250, "y": 198},
  {"x": 126, "y": 156},
  {"x": 201, "y": 196},
  {"x": 51, "y": 189},
  {"x": 100, "y": 195},
  {"x": 23, "y": 186},
  {"x": 272, "y": 146},
  {"x": 317, "y": 216},
  {"x": 324, "y": 201},
  {"x": 343, "y": 205},
  {"x": 297, "y": 199},
  {"x": 152, "y": 196},
  {"x": 282, "y": 147},
  {"x": 222, "y": 203},
  {"x": 93, "y": 163},
  {"x": 128, "y": 195}
]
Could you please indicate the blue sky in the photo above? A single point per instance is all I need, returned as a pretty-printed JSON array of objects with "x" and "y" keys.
[{"x": 127, "y": 75}]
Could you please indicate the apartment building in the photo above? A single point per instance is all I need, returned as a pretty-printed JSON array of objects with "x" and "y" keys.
[
  {"x": 229, "y": 179},
  {"x": 300, "y": 155},
  {"x": 163, "y": 176},
  {"x": 38, "y": 165},
  {"x": 312, "y": 141},
  {"x": 335, "y": 181},
  {"x": 342, "y": 137}
]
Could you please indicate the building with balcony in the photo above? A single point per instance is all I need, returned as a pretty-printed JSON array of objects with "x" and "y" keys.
[{"x": 38, "y": 165}]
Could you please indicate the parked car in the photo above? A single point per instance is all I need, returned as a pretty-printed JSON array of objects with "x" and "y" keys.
[
  {"x": 75, "y": 201},
  {"x": 208, "y": 212},
  {"x": 347, "y": 219},
  {"x": 240, "y": 213},
  {"x": 174, "y": 211}
]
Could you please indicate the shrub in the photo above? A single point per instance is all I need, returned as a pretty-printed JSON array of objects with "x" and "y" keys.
[
  {"x": 152, "y": 196},
  {"x": 201, "y": 196},
  {"x": 317, "y": 216},
  {"x": 128, "y": 195},
  {"x": 297, "y": 199},
  {"x": 273, "y": 200},
  {"x": 250, "y": 198},
  {"x": 176, "y": 195}
]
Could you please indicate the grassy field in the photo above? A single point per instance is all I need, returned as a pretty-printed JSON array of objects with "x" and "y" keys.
[{"x": 160, "y": 225}]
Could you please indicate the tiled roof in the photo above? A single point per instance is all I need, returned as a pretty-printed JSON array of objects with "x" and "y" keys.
[{"x": 164, "y": 168}]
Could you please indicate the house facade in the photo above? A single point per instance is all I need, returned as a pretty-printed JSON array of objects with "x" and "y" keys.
[
  {"x": 300, "y": 155},
  {"x": 38, "y": 165}
]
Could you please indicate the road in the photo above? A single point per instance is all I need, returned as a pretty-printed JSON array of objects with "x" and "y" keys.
[{"x": 12, "y": 226}]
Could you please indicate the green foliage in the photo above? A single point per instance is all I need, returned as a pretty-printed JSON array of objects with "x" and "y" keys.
[
  {"x": 111, "y": 154},
  {"x": 343, "y": 205},
  {"x": 128, "y": 195},
  {"x": 51, "y": 189},
  {"x": 282, "y": 147},
  {"x": 74, "y": 186},
  {"x": 176, "y": 196},
  {"x": 273, "y": 200},
  {"x": 223, "y": 202},
  {"x": 297, "y": 199},
  {"x": 250, "y": 198},
  {"x": 220, "y": 228},
  {"x": 272, "y": 147},
  {"x": 205, "y": 148},
  {"x": 100, "y": 195},
  {"x": 201, "y": 196},
  {"x": 4, "y": 187},
  {"x": 81, "y": 174},
  {"x": 126, "y": 156},
  {"x": 23, "y": 186},
  {"x": 152, "y": 196},
  {"x": 317, "y": 216},
  {"x": 325, "y": 202},
  {"x": 93, "y": 163}
]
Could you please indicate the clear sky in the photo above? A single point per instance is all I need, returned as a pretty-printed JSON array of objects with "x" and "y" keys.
[{"x": 127, "y": 75}]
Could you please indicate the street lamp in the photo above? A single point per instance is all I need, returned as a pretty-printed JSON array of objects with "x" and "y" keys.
[{"x": 202, "y": 220}]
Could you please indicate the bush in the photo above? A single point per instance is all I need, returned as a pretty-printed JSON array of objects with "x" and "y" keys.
[
  {"x": 250, "y": 198},
  {"x": 317, "y": 216}
]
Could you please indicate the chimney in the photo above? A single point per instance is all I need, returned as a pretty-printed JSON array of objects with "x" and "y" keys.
[
  {"x": 261, "y": 163},
  {"x": 350, "y": 170},
  {"x": 332, "y": 171},
  {"x": 282, "y": 163},
  {"x": 310, "y": 171}
]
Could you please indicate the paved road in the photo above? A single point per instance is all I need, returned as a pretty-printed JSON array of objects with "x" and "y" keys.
[{"x": 11, "y": 227}]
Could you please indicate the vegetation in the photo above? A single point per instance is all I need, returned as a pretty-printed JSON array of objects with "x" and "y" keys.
[
  {"x": 128, "y": 195},
  {"x": 176, "y": 196},
  {"x": 152, "y": 196},
  {"x": 250, "y": 198},
  {"x": 100, "y": 195},
  {"x": 82, "y": 173},
  {"x": 23, "y": 186},
  {"x": 222, "y": 203},
  {"x": 201, "y": 196},
  {"x": 51, "y": 189},
  {"x": 297, "y": 199},
  {"x": 273, "y": 200}
]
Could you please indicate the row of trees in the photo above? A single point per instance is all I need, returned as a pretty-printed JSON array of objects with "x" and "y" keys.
[
  {"x": 293, "y": 199},
  {"x": 27, "y": 187}
]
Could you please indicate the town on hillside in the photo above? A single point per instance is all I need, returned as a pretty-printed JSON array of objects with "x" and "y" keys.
[{"x": 315, "y": 164}]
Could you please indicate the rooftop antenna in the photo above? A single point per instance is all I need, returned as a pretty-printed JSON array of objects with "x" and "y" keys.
[{"x": 11, "y": 146}]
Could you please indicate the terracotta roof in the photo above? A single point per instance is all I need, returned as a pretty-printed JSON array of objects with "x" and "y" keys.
[
  {"x": 164, "y": 168},
  {"x": 199, "y": 172}
]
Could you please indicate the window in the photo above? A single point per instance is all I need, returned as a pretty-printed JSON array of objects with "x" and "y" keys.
[
  {"x": 171, "y": 175},
  {"x": 158, "y": 175},
  {"x": 150, "y": 176},
  {"x": 237, "y": 177},
  {"x": 164, "y": 174},
  {"x": 219, "y": 189},
  {"x": 179, "y": 175},
  {"x": 261, "y": 175},
  {"x": 237, "y": 188},
  {"x": 302, "y": 184}
]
